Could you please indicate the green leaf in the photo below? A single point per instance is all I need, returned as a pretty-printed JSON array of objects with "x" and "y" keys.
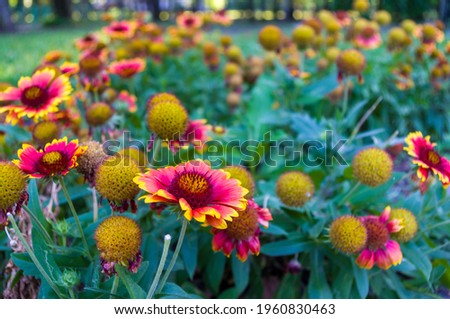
[
  {"x": 230, "y": 293},
  {"x": 286, "y": 247},
  {"x": 173, "y": 291},
  {"x": 289, "y": 287},
  {"x": 318, "y": 287},
  {"x": 361, "y": 280},
  {"x": 421, "y": 261},
  {"x": 342, "y": 285},
  {"x": 134, "y": 290},
  {"x": 35, "y": 206},
  {"x": 189, "y": 253},
  {"x": 274, "y": 230},
  {"x": 241, "y": 271},
  {"x": 214, "y": 271}
]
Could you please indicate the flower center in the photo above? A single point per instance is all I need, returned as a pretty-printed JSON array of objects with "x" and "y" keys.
[
  {"x": 377, "y": 234},
  {"x": 368, "y": 32},
  {"x": 52, "y": 158},
  {"x": 433, "y": 157},
  {"x": 244, "y": 226},
  {"x": 193, "y": 187},
  {"x": 189, "y": 22},
  {"x": 34, "y": 96},
  {"x": 119, "y": 28},
  {"x": 127, "y": 71}
]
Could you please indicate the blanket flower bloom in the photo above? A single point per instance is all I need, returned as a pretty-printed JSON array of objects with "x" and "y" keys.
[
  {"x": 120, "y": 30},
  {"x": 127, "y": 68},
  {"x": 209, "y": 196},
  {"x": 36, "y": 96},
  {"x": 380, "y": 248},
  {"x": 57, "y": 158},
  {"x": 243, "y": 232},
  {"x": 427, "y": 158}
]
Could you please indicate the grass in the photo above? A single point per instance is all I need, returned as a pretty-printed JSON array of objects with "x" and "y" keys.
[{"x": 21, "y": 53}]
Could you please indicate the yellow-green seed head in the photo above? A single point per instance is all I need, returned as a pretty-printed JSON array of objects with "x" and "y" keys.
[
  {"x": 167, "y": 120},
  {"x": 303, "y": 36},
  {"x": 244, "y": 176},
  {"x": 295, "y": 188},
  {"x": 137, "y": 155},
  {"x": 351, "y": 62},
  {"x": 161, "y": 98},
  {"x": 348, "y": 234},
  {"x": 99, "y": 114},
  {"x": 118, "y": 239},
  {"x": 372, "y": 166},
  {"x": 270, "y": 37},
  {"x": 45, "y": 132},
  {"x": 114, "y": 178},
  {"x": 408, "y": 25},
  {"x": 382, "y": 17},
  {"x": 407, "y": 221},
  {"x": 332, "y": 54},
  {"x": 12, "y": 185}
]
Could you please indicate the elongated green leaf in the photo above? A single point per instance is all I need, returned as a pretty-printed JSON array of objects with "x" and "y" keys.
[
  {"x": 361, "y": 280},
  {"x": 173, "y": 291},
  {"x": 415, "y": 255},
  {"x": 241, "y": 272},
  {"x": 286, "y": 247},
  {"x": 214, "y": 271},
  {"x": 318, "y": 287},
  {"x": 189, "y": 253},
  {"x": 35, "y": 205},
  {"x": 134, "y": 290}
]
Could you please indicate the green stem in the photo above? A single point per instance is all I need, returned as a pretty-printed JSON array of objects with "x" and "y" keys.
[
  {"x": 114, "y": 286},
  {"x": 162, "y": 262},
  {"x": 444, "y": 223},
  {"x": 175, "y": 255},
  {"x": 71, "y": 293},
  {"x": 33, "y": 257},
  {"x": 47, "y": 237},
  {"x": 349, "y": 193},
  {"x": 345, "y": 100},
  {"x": 75, "y": 216},
  {"x": 156, "y": 150},
  {"x": 364, "y": 119},
  {"x": 94, "y": 204}
]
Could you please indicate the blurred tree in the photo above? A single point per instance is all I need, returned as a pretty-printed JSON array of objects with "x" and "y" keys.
[
  {"x": 155, "y": 8},
  {"x": 62, "y": 8},
  {"x": 6, "y": 23}
]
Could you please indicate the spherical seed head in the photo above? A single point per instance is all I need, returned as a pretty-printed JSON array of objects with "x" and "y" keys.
[
  {"x": 231, "y": 69},
  {"x": 407, "y": 221},
  {"x": 361, "y": 5},
  {"x": 270, "y": 37},
  {"x": 372, "y": 166},
  {"x": 314, "y": 23},
  {"x": 89, "y": 161},
  {"x": 332, "y": 26},
  {"x": 161, "y": 98},
  {"x": 234, "y": 54},
  {"x": 244, "y": 176},
  {"x": 408, "y": 25},
  {"x": 332, "y": 54},
  {"x": 348, "y": 234},
  {"x": 45, "y": 132},
  {"x": 114, "y": 178},
  {"x": 12, "y": 185},
  {"x": 397, "y": 36},
  {"x": 175, "y": 43},
  {"x": 351, "y": 62},
  {"x": 226, "y": 40},
  {"x": 118, "y": 239},
  {"x": 382, "y": 17},
  {"x": 99, "y": 114},
  {"x": 210, "y": 50},
  {"x": 167, "y": 120},
  {"x": 429, "y": 32},
  {"x": 295, "y": 188},
  {"x": 233, "y": 99},
  {"x": 137, "y": 155},
  {"x": 303, "y": 36},
  {"x": 359, "y": 25}
]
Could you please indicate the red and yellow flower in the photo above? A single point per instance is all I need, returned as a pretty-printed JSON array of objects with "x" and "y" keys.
[
  {"x": 127, "y": 68},
  {"x": 209, "y": 196},
  {"x": 189, "y": 20},
  {"x": 380, "y": 248},
  {"x": 120, "y": 30},
  {"x": 57, "y": 158},
  {"x": 427, "y": 158},
  {"x": 196, "y": 134},
  {"x": 369, "y": 38},
  {"x": 243, "y": 232},
  {"x": 36, "y": 96}
]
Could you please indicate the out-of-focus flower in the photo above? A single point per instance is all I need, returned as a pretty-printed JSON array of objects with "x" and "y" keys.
[
  {"x": 244, "y": 176},
  {"x": 361, "y": 6},
  {"x": 89, "y": 41},
  {"x": 57, "y": 158},
  {"x": 368, "y": 38},
  {"x": 407, "y": 222},
  {"x": 242, "y": 232},
  {"x": 69, "y": 68},
  {"x": 380, "y": 248},
  {"x": 197, "y": 191},
  {"x": 189, "y": 20},
  {"x": 427, "y": 158},
  {"x": 127, "y": 68},
  {"x": 120, "y": 30},
  {"x": 350, "y": 62},
  {"x": 382, "y": 17},
  {"x": 99, "y": 114},
  {"x": 270, "y": 37},
  {"x": 35, "y": 96},
  {"x": 45, "y": 131},
  {"x": 303, "y": 36}
]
